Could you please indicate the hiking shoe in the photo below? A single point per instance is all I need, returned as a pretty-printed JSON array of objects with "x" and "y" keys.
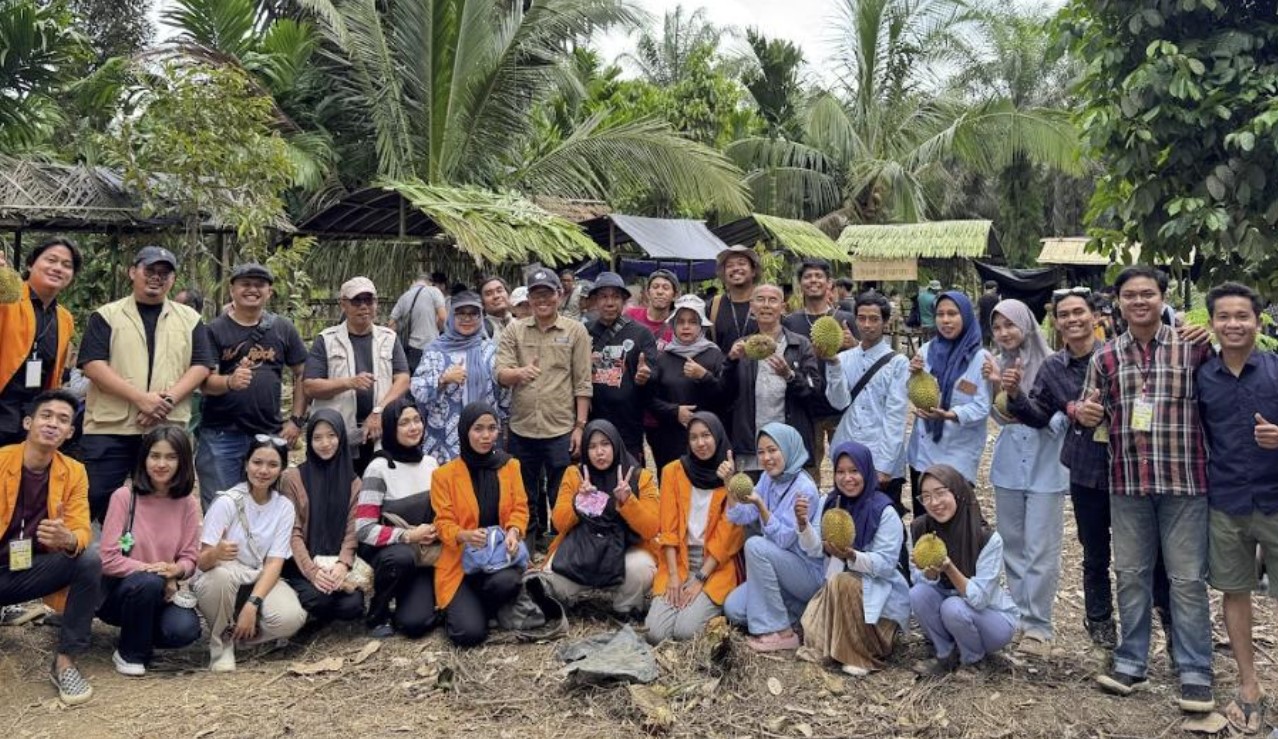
[
  {"x": 381, "y": 631},
  {"x": 125, "y": 667},
  {"x": 73, "y": 689},
  {"x": 1102, "y": 633},
  {"x": 1196, "y": 699},
  {"x": 1120, "y": 684}
]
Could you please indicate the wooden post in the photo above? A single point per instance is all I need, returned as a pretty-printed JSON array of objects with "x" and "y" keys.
[{"x": 17, "y": 250}]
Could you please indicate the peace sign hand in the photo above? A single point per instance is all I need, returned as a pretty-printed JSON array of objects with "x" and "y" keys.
[{"x": 622, "y": 491}]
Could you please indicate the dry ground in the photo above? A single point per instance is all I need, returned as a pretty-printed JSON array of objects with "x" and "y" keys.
[{"x": 515, "y": 691}]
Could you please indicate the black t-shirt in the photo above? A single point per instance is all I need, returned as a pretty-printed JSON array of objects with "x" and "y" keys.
[
  {"x": 29, "y": 510},
  {"x": 985, "y": 307},
  {"x": 614, "y": 360},
  {"x": 317, "y": 368},
  {"x": 734, "y": 321},
  {"x": 800, "y": 321},
  {"x": 16, "y": 395},
  {"x": 256, "y": 408},
  {"x": 96, "y": 344}
]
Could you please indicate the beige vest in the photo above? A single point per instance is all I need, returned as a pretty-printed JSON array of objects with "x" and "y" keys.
[
  {"x": 341, "y": 363},
  {"x": 109, "y": 414}
]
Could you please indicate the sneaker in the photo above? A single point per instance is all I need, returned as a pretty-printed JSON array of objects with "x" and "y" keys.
[
  {"x": 773, "y": 642},
  {"x": 854, "y": 671},
  {"x": 381, "y": 631},
  {"x": 124, "y": 667},
  {"x": 1196, "y": 699},
  {"x": 73, "y": 689},
  {"x": 1120, "y": 684},
  {"x": 1102, "y": 633},
  {"x": 222, "y": 656},
  {"x": 937, "y": 666},
  {"x": 1033, "y": 645}
]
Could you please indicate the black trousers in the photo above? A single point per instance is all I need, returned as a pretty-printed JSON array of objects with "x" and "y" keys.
[
  {"x": 50, "y": 573},
  {"x": 109, "y": 459},
  {"x": 338, "y": 605},
  {"x": 136, "y": 604},
  {"x": 541, "y": 463},
  {"x": 477, "y": 599},
  {"x": 396, "y": 577}
]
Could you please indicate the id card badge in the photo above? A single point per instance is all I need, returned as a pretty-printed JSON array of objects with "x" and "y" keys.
[
  {"x": 19, "y": 554},
  {"x": 1100, "y": 435},
  {"x": 35, "y": 368},
  {"x": 1143, "y": 415}
]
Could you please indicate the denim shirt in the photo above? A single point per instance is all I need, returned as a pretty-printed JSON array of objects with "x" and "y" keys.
[
  {"x": 441, "y": 407},
  {"x": 1029, "y": 459},
  {"x": 984, "y": 591},
  {"x": 877, "y": 418},
  {"x": 884, "y": 592},
  {"x": 782, "y": 528},
  {"x": 963, "y": 442}
]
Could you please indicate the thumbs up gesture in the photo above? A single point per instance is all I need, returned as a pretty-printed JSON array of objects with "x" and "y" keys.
[
  {"x": 242, "y": 376},
  {"x": 849, "y": 340},
  {"x": 454, "y": 375},
  {"x": 1266, "y": 433},
  {"x": 643, "y": 372},
  {"x": 1012, "y": 378},
  {"x": 726, "y": 468},
  {"x": 1090, "y": 412},
  {"x": 990, "y": 368},
  {"x": 530, "y": 371},
  {"x": 227, "y": 550}
]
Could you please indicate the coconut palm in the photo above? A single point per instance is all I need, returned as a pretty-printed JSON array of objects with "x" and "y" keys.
[
  {"x": 37, "y": 44},
  {"x": 664, "y": 60}
]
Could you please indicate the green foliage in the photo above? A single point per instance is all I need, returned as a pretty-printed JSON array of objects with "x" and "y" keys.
[
  {"x": 666, "y": 59},
  {"x": 709, "y": 106},
  {"x": 115, "y": 28},
  {"x": 1180, "y": 101},
  {"x": 37, "y": 44},
  {"x": 773, "y": 81}
]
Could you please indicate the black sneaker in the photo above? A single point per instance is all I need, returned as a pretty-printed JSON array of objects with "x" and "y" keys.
[
  {"x": 1196, "y": 699},
  {"x": 1102, "y": 633},
  {"x": 1120, "y": 684}
]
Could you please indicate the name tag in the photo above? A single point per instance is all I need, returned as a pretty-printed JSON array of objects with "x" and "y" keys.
[
  {"x": 19, "y": 554},
  {"x": 35, "y": 368},
  {"x": 1100, "y": 435},
  {"x": 967, "y": 386},
  {"x": 1143, "y": 415}
]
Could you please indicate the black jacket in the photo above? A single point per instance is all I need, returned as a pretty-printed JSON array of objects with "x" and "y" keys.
[
  {"x": 671, "y": 389},
  {"x": 614, "y": 359},
  {"x": 801, "y": 392}
]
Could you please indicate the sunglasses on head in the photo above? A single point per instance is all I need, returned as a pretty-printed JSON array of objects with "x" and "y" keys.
[
  {"x": 1065, "y": 292},
  {"x": 274, "y": 440}
]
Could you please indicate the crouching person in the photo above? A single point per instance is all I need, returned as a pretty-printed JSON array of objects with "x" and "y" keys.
[
  {"x": 242, "y": 551},
  {"x": 44, "y": 534},
  {"x": 150, "y": 542}
]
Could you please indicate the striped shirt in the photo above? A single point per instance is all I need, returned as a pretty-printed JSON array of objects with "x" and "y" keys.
[
  {"x": 403, "y": 491},
  {"x": 1170, "y": 458}
]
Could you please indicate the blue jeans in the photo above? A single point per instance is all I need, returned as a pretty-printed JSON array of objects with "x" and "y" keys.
[
  {"x": 136, "y": 604},
  {"x": 1031, "y": 525},
  {"x": 219, "y": 461},
  {"x": 1178, "y": 525},
  {"x": 950, "y": 621},
  {"x": 778, "y": 586}
]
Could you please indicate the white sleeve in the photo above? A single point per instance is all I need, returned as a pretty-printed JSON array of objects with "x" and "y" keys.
[
  {"x": 281, "y": 538},
  {"x": 217, "y": 520}
]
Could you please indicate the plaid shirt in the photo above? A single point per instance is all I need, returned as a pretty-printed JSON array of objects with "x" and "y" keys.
[{"x": 1170, "y": 458}]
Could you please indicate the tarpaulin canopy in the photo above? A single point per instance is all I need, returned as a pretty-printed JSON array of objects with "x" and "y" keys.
[
  {"x": 632, "y": 268},
  {"x": 661, "y": 238},
  {"x": 1033, "y": 287}
]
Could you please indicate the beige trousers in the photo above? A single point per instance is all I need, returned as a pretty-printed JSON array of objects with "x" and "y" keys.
[
  {"x": 641, "y": 568},
  {"x": 281, "y": 615}
]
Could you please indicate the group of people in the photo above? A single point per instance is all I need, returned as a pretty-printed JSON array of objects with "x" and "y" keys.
[{"x": 432, "y": 487}]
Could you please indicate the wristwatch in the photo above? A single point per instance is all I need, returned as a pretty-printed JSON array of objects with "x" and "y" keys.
[
  {"x": 701, "y": 576},
  {"x": 256, "y": 600},
  {"x": 299, "y": 421},
  {"x": 377, "y": 410}
]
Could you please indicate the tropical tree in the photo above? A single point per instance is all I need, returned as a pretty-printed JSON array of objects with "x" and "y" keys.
[
  {"x": 773, "y": 78},
  {"x": 665, "y": 59},
  {"x": 37, "y": 44}
]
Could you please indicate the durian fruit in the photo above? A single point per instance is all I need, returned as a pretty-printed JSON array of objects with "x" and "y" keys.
[
  {"x": 740, "y": 486},
  {"x": 827, "y": 337},
  {"x": 760, "y": 346},
  {"x": 838, "y": 528},
  {"x": 1000, "y": 404},
  {"x": 10, "y": 285},
  {"x": 924, "y": 391},
  {"x": 929, "y": 551}
]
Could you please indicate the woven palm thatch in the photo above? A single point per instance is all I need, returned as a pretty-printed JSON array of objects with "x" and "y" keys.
[
  {"x": 802, "y": 238},
  {"x": 931, "y": 240}
]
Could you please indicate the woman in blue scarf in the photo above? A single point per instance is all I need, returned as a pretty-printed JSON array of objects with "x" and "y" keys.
[
  {"x": 456, "y": 370},
  {"x": 780, "y": 577},
  {"x": 953, "y": 433},
  {"x": 855, "y": 616}
]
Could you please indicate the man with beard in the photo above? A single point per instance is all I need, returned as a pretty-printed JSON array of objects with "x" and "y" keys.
[
  {"x": 621, "y": 353},
  {"x": 738, "y": 269}
]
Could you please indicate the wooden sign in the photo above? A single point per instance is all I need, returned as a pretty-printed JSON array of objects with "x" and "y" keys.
[{"x": 886, "y": 270}]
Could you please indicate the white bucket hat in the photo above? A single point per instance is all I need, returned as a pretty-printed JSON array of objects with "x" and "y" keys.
[
  {"x": 692, "y": 303},
  {"x": 519, "y": 295}
]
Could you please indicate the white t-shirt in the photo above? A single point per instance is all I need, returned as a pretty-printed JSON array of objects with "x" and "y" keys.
[
  {"x": 422, "y": 328},
  {"x": 699, "y": 516},
  {"x": 271, "y": 526}
]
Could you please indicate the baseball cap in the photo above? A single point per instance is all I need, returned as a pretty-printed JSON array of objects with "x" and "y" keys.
[
  {"x": 737, "y": 250},
  {"x": 934, "y": 285},
  {"x": 664, "y": 274},
  {"x": 252, "y": 270},
  {"x": 149, "y": 255},
  {"x": 544, "y": 278},
  {"x": 519, "y": 295},
  {"x": 466, "y": 299},
  {"x": 606, "y": 280},
  {"x": 692, "y": 303},
  {"x": 357, "y": 286}
]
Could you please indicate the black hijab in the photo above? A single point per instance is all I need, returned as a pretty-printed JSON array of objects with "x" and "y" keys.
[
  {"x": 704, "y": 474},
  {"x": 328, "y": 487},
  {"x": 483, "y": 467},
  {"x": 391, "y": 449},
  {"x": 606, "y": 480},
  {"x": 966, "y": 534}
]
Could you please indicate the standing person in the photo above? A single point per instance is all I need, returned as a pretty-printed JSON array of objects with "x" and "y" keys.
[
  {"x": 570, "y": 296},
  {"x": 845, "y": 294},
  {"x": 1028, "y": 478},
  {"x": 474, "y": 496},
  {"x": 496, "y": 298},
  {"x": 660, "y": 293},
  {"x": 964, "y": 611},
  {"x": 456, "y": 370},
  {"x": 418, "y": 317},
  {"x": 1143, "y": 386},
  {"x": 145, "y": 355},
  {"x": 738, "y": 269},
  {"x": 699, "y": 545},
  {"x": 545, "y": 360},
  {"x": 621, "y": 357},
  {"x": 953, "y": 433},
  {"x": 242, "y": 397},
  {"x": 925, "y": 303},
  {"x": 324, "y": 492},
  {"x": 357, "y": 368},
  {"x": 150, "y": 542},
  {"x": 243, "y": 546},
  {"x": 45, "y": 535},
  {"x": 778, "y": 389},
  {"x": 36, "y": 333},
  {"x": 985, "y": 307},
  {"x": 1237, "y": 401},
  {"x": 686, "y": 378}
]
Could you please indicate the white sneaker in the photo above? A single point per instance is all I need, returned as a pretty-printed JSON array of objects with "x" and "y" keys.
[
  {"x": 854, "y": 671},
  {"x": 131, "y": 669},
  {"x": 221, "y": 656}
]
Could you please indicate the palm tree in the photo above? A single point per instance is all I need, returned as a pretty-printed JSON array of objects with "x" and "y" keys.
[
  {"x": 37, "y": 44},
  {"x": 773, "y": 79},
  {"x": 664, "y": 60}
]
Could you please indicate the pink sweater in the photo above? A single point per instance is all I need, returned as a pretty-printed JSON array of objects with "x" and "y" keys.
[{"x": 164, "y": 530}]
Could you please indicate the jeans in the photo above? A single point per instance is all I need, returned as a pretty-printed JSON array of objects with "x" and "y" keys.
[
  {"x": 136, "y": 604},
  {"x": 950, "y": 621},
  {"x": 397, "y": 577},
  {"x": 109, "y": 459},
  {"x": 219, "y": 461},
  {"x": 1178, "y": 525},
  {"x": 1031, "y": 525},
  {"x": 778, "y": 586},
  {"x": 541, "y": 459},
  {"x": 1091, "y": 516},
  {"x": 477, "y": 600},
  {"x": 50, "y": 573},
  {"x": 338, "y": 605}
]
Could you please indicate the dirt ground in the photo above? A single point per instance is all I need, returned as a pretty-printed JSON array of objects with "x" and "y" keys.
[{"x": 508, "y": 690}]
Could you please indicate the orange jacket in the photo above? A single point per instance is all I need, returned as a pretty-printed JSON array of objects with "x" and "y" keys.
[
  {"x": 642, "y": 513},
  {"x": 17, "y": 330},
  {"x": 723, "y": 539},
  {"x": 456, "y": 509},
  {"x": 68, "y": 495}
]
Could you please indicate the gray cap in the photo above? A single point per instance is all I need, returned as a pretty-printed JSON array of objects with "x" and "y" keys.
[
  {"x": 606, "y": 280},
  {"x": 543, "y": 277},
  {"x": 252, "y": 270},
  {"x": 466, "y": 298},
  {"x": 149, "y": 255}
]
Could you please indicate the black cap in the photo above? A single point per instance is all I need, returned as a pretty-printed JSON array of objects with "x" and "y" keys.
[
  {"x": 149, "y": 255},
  {"x": 606, "y": 280},
  {"x": 252, "y": 270},
  {"x": 543, "y": 277}
]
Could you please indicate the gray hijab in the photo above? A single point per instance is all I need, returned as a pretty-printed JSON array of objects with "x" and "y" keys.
[{"x": 1033, "y": 350}]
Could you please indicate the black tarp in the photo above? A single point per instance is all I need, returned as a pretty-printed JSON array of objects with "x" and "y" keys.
[{"x": 1033, "y": 287}]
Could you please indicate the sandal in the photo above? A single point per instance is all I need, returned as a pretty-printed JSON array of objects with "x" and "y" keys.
[{"x": 1247, "y": 717}]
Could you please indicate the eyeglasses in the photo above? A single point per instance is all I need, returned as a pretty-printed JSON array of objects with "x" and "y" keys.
[
  {"x": 934, "y": 496},
  {"x": 362, "y": 300},
  {"x": 273, "y": 440},
  {"x": 1146, "y": 295},
  {"x": 1065, "y": 292},
  {"x": 466, "y": 315}
]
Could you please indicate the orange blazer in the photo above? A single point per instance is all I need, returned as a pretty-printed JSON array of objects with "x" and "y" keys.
[
  {"x": 456, "y": 509},
  {"x": 17, "y": 329},
  {"x": 642, "y": 513},
  {"x": 723, "y": 539}
]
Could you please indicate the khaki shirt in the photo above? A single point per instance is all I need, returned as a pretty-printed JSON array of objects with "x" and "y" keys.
[{"x": 546, "y": 407}]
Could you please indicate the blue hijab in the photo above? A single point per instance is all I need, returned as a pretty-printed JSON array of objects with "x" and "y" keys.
[
  {"x": 479, "y": 376},
  {"x": 866, "y": 508},
  {"x": 792, "y": 449},
  {"x": 948, "y": 358}
]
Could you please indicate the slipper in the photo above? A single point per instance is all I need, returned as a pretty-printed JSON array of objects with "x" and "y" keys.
[{"x": 1247, "y": 717}]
